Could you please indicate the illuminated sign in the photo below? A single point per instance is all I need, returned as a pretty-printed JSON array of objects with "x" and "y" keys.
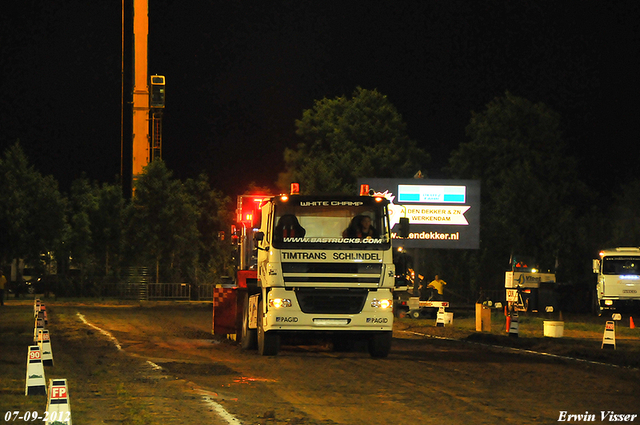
[
  {"x": 441, "y": 213},
  {"x": 431, "y": 194}
]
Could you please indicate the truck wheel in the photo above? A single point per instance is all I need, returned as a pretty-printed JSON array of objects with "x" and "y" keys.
[
  {"x": 380, "y": 344},
  {"x": 415, "y": 314},
  {"x": 249, "y": 337},
  {"x": 268, "y": 342}
]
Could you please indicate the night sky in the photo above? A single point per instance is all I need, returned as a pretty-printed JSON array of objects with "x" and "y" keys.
[{"x": 239, "y": 73}]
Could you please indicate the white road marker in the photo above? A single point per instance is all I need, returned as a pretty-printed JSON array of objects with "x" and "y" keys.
[
  {"x": 231, "y": 420},
  {"x": 102, "y": 331},
  {"x": 521, "y": 350}
]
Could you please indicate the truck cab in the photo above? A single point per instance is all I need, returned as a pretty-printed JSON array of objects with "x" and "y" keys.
[
  {"x": 324, "y": 265},
  {"x": 618, "y": 284}
]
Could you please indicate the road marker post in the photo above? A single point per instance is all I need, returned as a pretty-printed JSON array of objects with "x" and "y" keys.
[
  {"x": 513, "y": 325},
  {"x": 44, "y": 341},
  {"x": 36, "y": 307},
  {"x": 43, "y": 309},
  {"x": 609, "y": 337},
  {"x": 35, "y": 383},
  {"x": 39, "y": 325},
  {"x": 440, "y": 317},
  {"x": 58, "y": 403}
]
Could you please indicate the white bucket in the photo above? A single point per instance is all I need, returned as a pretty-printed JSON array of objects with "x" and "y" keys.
[{"x": 553, "y": 329}]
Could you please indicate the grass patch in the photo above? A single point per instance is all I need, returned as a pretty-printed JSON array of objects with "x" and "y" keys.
[{"x": 582, "y": 335}]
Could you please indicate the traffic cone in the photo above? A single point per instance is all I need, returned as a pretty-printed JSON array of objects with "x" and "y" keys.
[
  {"x": 58, "y": 404},
  {"x": 631, "y": 324},
  {"x": 35, "y": 383}
]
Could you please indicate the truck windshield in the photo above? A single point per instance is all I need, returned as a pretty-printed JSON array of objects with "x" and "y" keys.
[
  {"x": 320, "y": 223},
  {"x": 621, "y": 266}
]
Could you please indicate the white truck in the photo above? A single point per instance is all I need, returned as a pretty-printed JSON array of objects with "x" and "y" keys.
[
  {"x": 318, "y": 271},
  {"x": 618, "y": 286}
]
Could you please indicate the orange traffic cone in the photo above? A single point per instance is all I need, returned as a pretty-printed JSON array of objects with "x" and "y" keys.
[{"x": 631, "y": 324}]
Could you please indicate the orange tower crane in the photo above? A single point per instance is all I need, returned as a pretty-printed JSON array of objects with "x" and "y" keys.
[{"x": 140, "y": 88}]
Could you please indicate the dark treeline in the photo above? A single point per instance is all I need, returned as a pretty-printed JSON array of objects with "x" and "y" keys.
[
  {"x": 533, "y": 203},
  {"x": 93, "y": 236}
]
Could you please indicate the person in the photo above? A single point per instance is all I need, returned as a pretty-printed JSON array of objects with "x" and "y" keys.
[
  {"x": 422, "y": 291},
  {"x": 361, "y": 228},
  {"x": 3, "y": 284},
  {"x": 289, "y": 227},
  {"x": 437, "y": 285}
]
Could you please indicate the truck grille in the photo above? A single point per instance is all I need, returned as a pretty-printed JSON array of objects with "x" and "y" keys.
[
  {"x": 332, "y": 273},
  {"x": 331, "y": 301}
]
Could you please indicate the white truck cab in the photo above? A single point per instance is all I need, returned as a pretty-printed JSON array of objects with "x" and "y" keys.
[
  {"x": 618, "y": 286},
  {"x": 324, "y": 265}
]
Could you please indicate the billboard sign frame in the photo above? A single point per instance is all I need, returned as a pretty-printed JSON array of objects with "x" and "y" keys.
[{"x": 443, "y": 214}]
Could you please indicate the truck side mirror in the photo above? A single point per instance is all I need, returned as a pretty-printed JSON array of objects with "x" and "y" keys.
[
  {"x": 404, "y": 227},
  {"x": 596, "y": 266},
  {"x": 259, "y": 237}
]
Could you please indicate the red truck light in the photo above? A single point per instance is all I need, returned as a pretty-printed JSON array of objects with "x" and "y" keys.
[{"x": 248, "y": 210}]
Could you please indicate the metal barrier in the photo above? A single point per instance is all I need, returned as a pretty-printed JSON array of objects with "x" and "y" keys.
[
  {"x": 168, "y": 291},
  {"x": 205, "y": 292},
  {"x": 157, "y": 291}
]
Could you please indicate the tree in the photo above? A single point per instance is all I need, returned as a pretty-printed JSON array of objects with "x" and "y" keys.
[
  {"x": 530, "y": 189},
  {"x": 343, "y": 139},
  {"x": 32, "y": 210},
  {"x": 161, "y": 222},
  {"x": 83, "y": 204},
  {"x": 625, "y": 222},
  {"x": 214, "y": 249},
  {"x": 95, "y": 215},
  {"x": 107, "y": 227}
]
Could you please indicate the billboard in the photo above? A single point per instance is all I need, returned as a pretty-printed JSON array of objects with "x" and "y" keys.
[{"x": 442, "y": 213}]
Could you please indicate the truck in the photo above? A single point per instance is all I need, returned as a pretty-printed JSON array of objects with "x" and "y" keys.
[
  {"x": 305, "y": 266},
  {"x": 528, "y": 288},
  {"x": 618, "y": 280}
]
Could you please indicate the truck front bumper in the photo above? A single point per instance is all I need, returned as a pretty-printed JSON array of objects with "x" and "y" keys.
[
  {"x": 620, "y": 304},
  {"x": 372, "y": 317}
]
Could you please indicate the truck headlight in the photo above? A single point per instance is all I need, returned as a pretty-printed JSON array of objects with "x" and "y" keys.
[
  {"x": 279, "y": 302},
  {"x": 381, "y": 303},
  {"x": 608, "y": 302}
]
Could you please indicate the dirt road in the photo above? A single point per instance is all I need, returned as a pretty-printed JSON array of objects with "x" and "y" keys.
[{"x": 169, "y": 370}]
